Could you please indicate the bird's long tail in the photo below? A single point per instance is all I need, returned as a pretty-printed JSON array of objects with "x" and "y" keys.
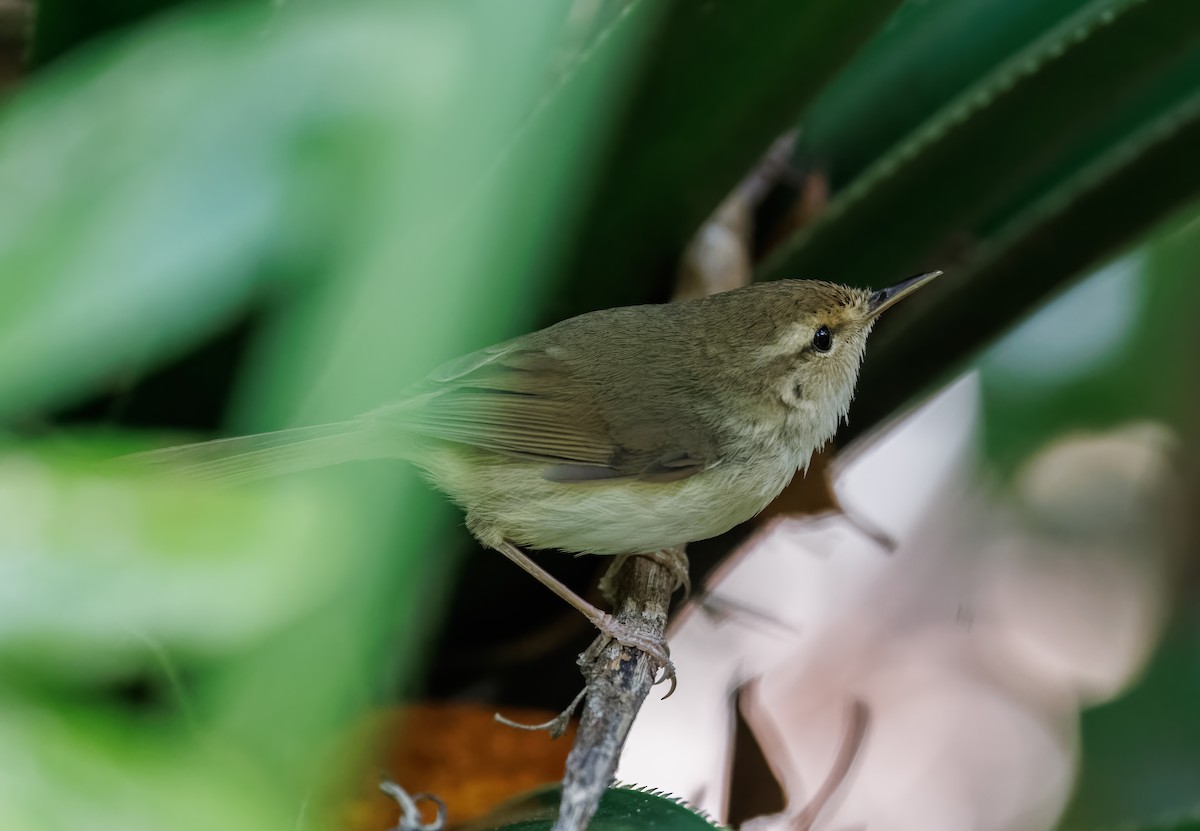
[{"x": 247, "y": 458}]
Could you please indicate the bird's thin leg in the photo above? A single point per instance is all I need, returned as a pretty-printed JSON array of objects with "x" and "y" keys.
[
  {"x": 607, "y": 584},
  {"x": 611, "y": 628}
]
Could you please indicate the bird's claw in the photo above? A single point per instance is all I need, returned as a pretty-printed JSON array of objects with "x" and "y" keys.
[{"x": 656, "y": 648}]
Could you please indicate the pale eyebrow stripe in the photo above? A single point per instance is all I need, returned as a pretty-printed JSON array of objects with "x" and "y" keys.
[{"x": 795, "y": 338}]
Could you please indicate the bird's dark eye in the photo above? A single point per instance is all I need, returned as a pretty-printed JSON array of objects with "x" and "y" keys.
[{"x": 823, "y": 340}]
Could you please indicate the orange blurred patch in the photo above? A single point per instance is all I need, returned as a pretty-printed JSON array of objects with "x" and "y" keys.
[{"x": 458, "y": 753}]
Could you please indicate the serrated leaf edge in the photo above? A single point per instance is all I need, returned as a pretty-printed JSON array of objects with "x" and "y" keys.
[
  {"x": 1004, "y": 79},
  {"x": 1098, "y": 170},
  {"x": 680, "y": 801}
]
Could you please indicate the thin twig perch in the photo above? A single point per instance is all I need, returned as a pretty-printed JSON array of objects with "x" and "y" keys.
[{"x": 618, "y": 681}]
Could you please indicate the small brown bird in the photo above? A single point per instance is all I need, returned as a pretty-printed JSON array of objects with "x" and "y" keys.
[{"x": 623, "y": 431}]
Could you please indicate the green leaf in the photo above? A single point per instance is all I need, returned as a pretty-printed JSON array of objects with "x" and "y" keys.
[
  {"x": 464, "y": 235},
  {"x": 62, "y": 26},
  {"x": 1116, "y": 349},
  {"x": 1131, "y": 362},
  {"x": 151, "y": 191},
  {"x": 929, "y": 52},
  {"x": 131, "y": 555},
  {"x": 110, "y": 580},
  {"x": 1183, "y": 824},
  {"x": 621, "y": 809},
  {"x": 1023, "y": 117},
  {"x": 397, "y": 177},
  {"x": 1056, "y": 239},
  {"x": 726, "y": 78},
  {"x": 1028, "y": 178},
  {"x": 1141, "y": 753}
]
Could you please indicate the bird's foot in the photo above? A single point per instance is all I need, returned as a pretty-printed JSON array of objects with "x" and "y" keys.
[
  {"x": 612, "y": 630},
  {"x": 656, "y": 648}
]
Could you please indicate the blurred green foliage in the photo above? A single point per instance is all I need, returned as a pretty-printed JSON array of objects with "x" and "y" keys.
[
  {"x": 126, "y": 606},
  {"x": 64, "y": 26},
  {"x": 1141, "y": 753},
  {"x": 391, "y": 180},
  {"x": 1134, "y": 360},
  {"x": 1118, "y": 348}
]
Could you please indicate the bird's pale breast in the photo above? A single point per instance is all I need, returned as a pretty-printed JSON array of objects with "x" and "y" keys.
[{"x": 510, "y": 500}]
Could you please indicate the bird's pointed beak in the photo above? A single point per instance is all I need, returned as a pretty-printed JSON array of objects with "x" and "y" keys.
[{"x": 884, "y": 299}]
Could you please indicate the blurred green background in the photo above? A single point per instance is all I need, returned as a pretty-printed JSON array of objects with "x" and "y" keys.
[{"x": 224, "y": 217}]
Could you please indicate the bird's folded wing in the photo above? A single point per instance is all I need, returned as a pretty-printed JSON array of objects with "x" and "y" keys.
[{"x": 524, "y": 403}]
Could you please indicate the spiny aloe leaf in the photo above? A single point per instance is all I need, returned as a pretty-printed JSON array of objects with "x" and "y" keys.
[
  {"x": 929, "y": 52},
  {"x": 999, "y": 134},
  {"x": 726, "y": 78},
  {"x": 622, "y": 808},
  {"x": 1026, "y": 179},
  {"x": 1107, "y": 206}
]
